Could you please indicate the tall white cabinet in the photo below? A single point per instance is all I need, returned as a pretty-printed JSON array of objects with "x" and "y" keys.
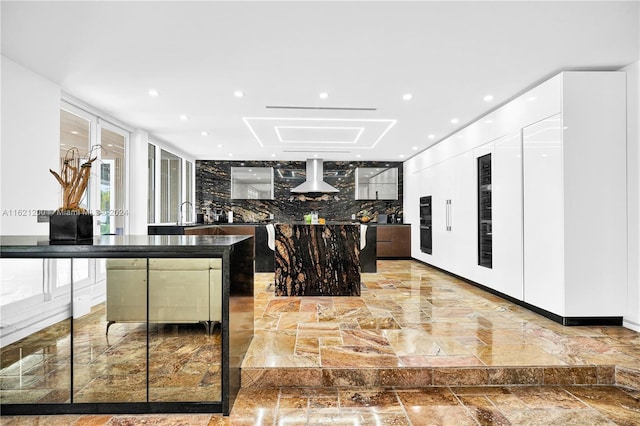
[{"x": 558, "y": 155}]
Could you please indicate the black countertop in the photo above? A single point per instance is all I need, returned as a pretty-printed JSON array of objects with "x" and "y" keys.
[{"x": 120, "y": 246}]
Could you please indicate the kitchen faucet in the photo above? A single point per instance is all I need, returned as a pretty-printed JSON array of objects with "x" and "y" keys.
[{"x": 180, "y": 211}]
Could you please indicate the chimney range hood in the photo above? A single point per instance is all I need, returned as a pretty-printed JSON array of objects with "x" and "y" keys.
[{"x": 314, "y": 183}]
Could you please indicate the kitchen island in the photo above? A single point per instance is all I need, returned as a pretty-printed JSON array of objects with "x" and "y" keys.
[
  {"x": 317, "y": 260},
  {"x": 140, "y": 366}
]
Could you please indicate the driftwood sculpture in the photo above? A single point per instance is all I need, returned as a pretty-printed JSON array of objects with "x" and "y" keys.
[{"x": 74, "y": 178}]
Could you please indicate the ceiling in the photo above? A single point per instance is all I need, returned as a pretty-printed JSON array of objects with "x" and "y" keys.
[{"x": 282, "y": 55}]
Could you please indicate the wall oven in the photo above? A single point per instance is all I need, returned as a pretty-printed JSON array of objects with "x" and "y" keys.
[{"x": 425, "y": 225}]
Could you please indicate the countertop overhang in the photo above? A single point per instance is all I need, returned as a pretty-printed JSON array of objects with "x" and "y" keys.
[{"x": 21, "y": 246}]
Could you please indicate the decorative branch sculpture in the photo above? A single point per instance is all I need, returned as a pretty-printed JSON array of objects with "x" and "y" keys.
[{"x": 74, "y": 179}]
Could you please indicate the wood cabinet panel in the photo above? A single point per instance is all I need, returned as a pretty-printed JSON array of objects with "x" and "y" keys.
[
  {"x": 393, "y": 241},
  {"x": 401, "y": 243}
]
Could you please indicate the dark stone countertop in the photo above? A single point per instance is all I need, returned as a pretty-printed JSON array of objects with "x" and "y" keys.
[{"x": 120, "y": 246}]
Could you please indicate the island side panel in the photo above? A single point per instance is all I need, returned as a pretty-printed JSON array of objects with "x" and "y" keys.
[
  {"x": 317, "y": 260},
  {"x": 240, "y": 291}
]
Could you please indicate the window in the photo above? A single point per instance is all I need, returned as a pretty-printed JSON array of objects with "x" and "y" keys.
[
  {"x": 170, "y": 186},
  {"x": 107, "y": 190},
  {"x": 189, "y": 191},
  {"x": 151, "y": 191}
]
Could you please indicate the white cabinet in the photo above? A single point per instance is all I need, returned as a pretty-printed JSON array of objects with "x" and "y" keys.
[
  {"x": 558, "y": 197},
  {"x": 574, "y": 201},
  {"x": 543, "y": 215},
  {"x": 450, "y": 183},
  {"x": 506, "y": 175}
]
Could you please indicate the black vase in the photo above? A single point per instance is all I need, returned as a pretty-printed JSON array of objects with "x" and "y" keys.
[{"x": 70, "y": 227}]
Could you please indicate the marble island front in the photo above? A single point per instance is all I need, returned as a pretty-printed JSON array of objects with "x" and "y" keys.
[{"x": 317, "y": 260}]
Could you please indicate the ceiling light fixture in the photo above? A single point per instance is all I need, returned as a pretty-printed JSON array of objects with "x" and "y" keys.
[
  {"x": 324, "y": 95},
  {"x": 230, "y": 154},
  {"x": 184, "y": 117},
  {"x": 454, "y": 120},
  {"x": 358, "y": 156},
  {"x": 401, "y": 155},
  {"x": 205, "y": 133},
  {"x": 531, "y": 98},
  {"x": 153, "y": 92},
  {"x": 238, "y": 94},
  {"x": 414, "y": 148},
  {"x": 407, "y": 96},
  {"x": 488, "y": 98},
  {"x": 431, "y": 136},
  {"x": 273, "y": 155},
  {"x": 220, "y": 145}
]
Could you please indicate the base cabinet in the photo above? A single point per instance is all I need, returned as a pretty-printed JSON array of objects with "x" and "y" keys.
[{"x": 393, "y": 241}]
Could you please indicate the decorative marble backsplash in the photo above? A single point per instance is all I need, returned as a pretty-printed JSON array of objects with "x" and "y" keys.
[{"x": 213, "y": 191}]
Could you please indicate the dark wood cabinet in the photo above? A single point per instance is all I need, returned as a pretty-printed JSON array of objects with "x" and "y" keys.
[{"x": 394, "y": 241}]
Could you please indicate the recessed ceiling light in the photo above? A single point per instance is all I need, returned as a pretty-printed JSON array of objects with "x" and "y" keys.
[
  {"x": 488, "y": 121},
  {"x": 153, "y": 92},
  {"x": 324, "y": 95},
  {"x": 220, "y": 145},
  {"x": 454, "y": 120},
  {"x": 315, "y": 155},
  {"x": 407, "y": 96},
  {"x": 488, "y": 98},
  {"x": 414, "y": 148},
  {"x": 230, "y": 154},
  {"x": 184, "y": 117},
  {"x": 357, "y": 156},
  {"x": 250, "y": 170},
  {"x": 74, "y": 132},
  {"x": 431, "y": 136},
  {"x": 531, "y": 98},
  {"x": 401, "y": 155},
  {"x": 238, "y": 94},
  {"x": 205, "y": 133},
  {"x": 273, "y": 155}
]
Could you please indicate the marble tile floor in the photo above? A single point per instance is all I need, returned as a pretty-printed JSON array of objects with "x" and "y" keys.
[
  {"x": 459, "y": 406},
  {"x": 417, "y": 326},
  {"x": 418, "y": 347}
]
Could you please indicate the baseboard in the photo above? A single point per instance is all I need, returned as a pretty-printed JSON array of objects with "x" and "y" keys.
[{"x": 567, "y": 321}]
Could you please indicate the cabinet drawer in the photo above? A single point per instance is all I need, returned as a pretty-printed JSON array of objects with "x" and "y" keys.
[
  {"x": 385, "y": 233},
  {"x": 385, "y": 249}
]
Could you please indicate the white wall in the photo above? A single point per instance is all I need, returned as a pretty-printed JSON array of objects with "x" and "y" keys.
[
  {"x": 632, "y": 317},
  {"x": 28, "y": 149},
  {"x": 138, "y": 182}
]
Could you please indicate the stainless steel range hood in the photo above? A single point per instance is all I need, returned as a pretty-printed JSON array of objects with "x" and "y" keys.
[{"x": 314, "y": 182}]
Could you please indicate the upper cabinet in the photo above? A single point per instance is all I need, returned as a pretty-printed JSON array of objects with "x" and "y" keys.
[
  {"x": 376, "y": 183},
  {"x": 252, "y": 183}
]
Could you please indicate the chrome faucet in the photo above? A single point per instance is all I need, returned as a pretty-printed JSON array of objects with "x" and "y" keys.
[{"x": 179, "y": 222}]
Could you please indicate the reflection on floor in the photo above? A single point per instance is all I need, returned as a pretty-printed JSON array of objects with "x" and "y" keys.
[
  {"x": 417, "y": 326},
  {"x": 184, "y": 363},
  {"x": 459, "y": 406},
  {"x": 418, "y": 347}
]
